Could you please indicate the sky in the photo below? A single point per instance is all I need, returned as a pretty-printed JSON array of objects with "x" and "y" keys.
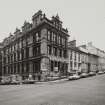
[{"x": 84, "y": 19}]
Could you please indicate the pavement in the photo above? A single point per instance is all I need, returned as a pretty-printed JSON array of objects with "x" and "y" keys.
[
  {"x": 53, "y": 81},
  {"x": 86, "y": 91}
]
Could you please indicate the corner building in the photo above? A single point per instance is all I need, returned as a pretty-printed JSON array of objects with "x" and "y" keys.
[{"x": 41, "y": 47}]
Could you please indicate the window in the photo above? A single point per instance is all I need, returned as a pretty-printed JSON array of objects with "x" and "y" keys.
[
  {"x": 11, "y": 58},
  {"x": 20, "y": 44},
  {"x": 75, "y": 64},
  {"x": 75, "y": 56},
  {"x": 79, "y": 57},
  {"x": 24, "y": 53},
  {"x": 4, "y": 59},
  {"x": 60, "y": 51},
  {"x": 65, "y": 42},
  {"x": 55, "y": 51},
  {"x": 49, "y": 50},
  {"x": 29, "y": 39},
  {"x": 18, "y": 55},
  {"x": 65, "y": 54},
  {"x": 54, "y": 37},
  {"x": 36, "y": 51},
  {"x": 71, "y": 55},
  {"x": 37, "y": 37},
  {"x": 6, "y": 51},
  {"x": 24, "y": 42},
  {"x": 30, "y": 51},
  {"x": 9, "y": 49},
  {"x": 48, "y": 35},
  {"x": 16, "y": 46},
  {"x": 71, "y": 64},
  {"x": 59, "y": 39},
  {"x": 24, "y": 67},
  {"x": 14, "y": 56},
  {"x": 27, "y": 52}
]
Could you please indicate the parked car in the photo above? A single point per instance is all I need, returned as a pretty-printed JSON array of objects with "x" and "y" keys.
[
  {"x": 100, "y": 72},
  {"x": 84, "y": 75},
  {"x": 15, "y": 82},
  {"x": 74, "y": 77},
  {"x": 92, "y": 73},
  {"x": 5, "y": 82},
  {"x": 27, "y": 81}
]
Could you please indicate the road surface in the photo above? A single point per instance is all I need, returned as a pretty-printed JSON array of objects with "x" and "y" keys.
[{"x": 86, "y": 91}]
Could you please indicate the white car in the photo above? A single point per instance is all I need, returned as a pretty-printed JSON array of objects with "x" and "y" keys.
[
  {"x": 100, "y": 72},
  {"x": 15, "y": 82},
  {"x": 74, "y": 77},
  {"x": 84, "y": 75}
]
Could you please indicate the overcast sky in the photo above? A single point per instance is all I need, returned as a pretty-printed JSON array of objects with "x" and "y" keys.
[{"x": 85, "y": 19}]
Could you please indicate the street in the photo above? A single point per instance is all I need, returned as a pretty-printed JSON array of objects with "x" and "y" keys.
[{"x": 86, "y": 91}]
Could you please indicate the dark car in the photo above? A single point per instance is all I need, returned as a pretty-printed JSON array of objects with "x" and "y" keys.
[
  {"x": 92, "y": 73},
  {"x": 27, "y": 81}
]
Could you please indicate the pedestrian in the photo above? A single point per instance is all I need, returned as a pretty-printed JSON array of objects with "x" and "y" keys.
[{"x": 39, "y": 76}]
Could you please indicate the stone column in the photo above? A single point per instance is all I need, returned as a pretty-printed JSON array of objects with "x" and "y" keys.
[{"x": 44, "y": 60}]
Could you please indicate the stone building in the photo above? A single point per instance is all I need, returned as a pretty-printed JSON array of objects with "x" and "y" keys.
[
  {"x": 74, "y": 58},
  {"x": 96, "y": 58},
  {"x": 77, "y": 58},
  {"x": 84, "y": 60},
  {"x": 0, "y": 60},
  {"x": 39, "y": 47},
  {"x": 101, "y": 60}
]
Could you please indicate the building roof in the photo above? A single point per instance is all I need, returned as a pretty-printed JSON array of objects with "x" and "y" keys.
[{"x": 29, "y": 26}]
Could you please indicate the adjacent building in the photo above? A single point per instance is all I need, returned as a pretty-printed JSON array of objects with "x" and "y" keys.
[
  {"x": 78, "y": 58},
  {"x": 99, "y": 55},
  {"x": 96, "y": 58},
  {"x": 0, "y": 61}
]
